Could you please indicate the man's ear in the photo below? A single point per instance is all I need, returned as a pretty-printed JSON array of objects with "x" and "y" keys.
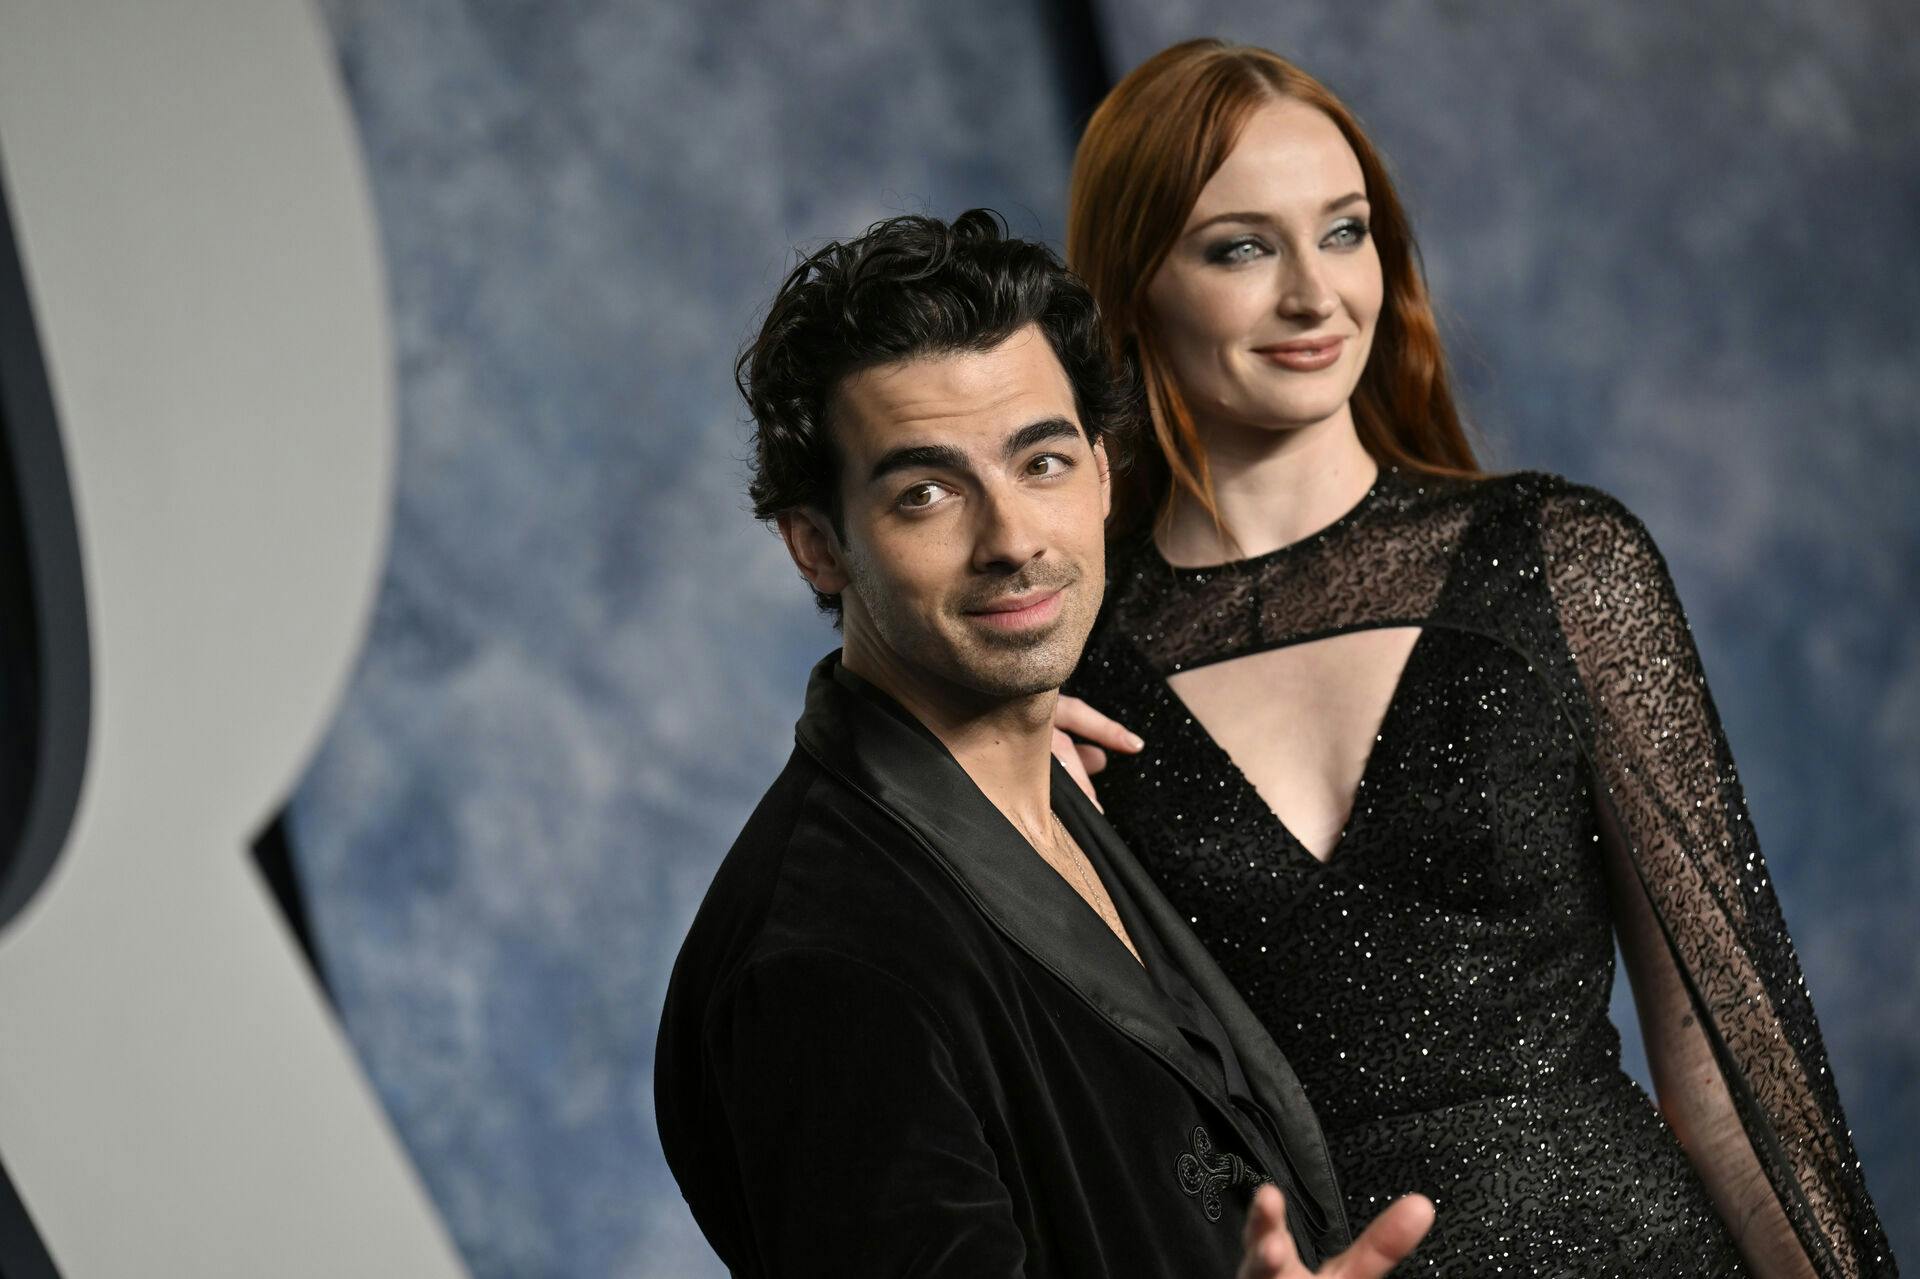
[
  {"x": 1106, "y": 478},
  {"x": 815, "y": 549}
]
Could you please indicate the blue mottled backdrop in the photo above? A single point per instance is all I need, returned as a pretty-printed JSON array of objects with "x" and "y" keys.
[{"x": 1676, "y": 255}]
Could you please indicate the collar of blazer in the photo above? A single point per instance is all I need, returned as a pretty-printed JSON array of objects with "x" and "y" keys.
[{"x": 873, "y": 745}]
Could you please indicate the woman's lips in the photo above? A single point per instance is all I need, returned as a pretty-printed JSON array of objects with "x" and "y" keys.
[
  {"x": 1019, "y": 612},
  {"x": 1305, "y": 355}
]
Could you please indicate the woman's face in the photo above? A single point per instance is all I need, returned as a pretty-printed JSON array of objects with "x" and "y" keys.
[{"x": 1267, "y": 303}]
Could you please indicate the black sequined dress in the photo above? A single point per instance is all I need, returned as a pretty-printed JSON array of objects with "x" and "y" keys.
[{"x": 1441, "y": 982}]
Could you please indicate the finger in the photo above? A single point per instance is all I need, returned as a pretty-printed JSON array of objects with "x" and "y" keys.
[
  {"x": 1266, "y": 1209},
  {"x": 1385, "y": 1242},
  {"x": 1066, "y": 751},
  {"x": 1063, "y": 746},
  {"x": 1269, "y": 1248},
  {"x": 1082, "y": 720},
  {"x": 1092, "y": 758}
]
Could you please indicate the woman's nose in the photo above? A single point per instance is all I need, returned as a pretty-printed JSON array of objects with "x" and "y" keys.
[{"x": 1305, "y": 294}]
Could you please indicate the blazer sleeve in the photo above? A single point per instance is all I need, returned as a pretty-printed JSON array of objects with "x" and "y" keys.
[
  {"x": 860, "y": 1152},
  {"x": 1666, "y": 776}
]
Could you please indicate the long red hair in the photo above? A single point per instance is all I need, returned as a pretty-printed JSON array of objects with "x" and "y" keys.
[{"x": 1150, "y": 147}]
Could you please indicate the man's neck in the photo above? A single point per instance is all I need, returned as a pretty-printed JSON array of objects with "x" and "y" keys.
[{"x": 1005, "y": 746}]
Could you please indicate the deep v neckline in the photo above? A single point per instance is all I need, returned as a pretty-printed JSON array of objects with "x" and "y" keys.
[{"x": 1231, "y": 769}]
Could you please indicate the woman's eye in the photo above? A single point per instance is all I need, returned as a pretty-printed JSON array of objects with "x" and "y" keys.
[
  {"x": 1348, "y": 234},
  {"x": 1234, "y": 252}
]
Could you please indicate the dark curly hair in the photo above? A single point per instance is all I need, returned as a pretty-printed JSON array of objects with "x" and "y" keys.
[{"x": 911, "y": 286}]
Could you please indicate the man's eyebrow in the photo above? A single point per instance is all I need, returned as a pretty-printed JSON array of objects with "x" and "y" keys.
[
  {"x": 913, "y": 457},
  {"x": 945, "y": 457},
  {"x": 1053, "y": 428},
  {"x": 1267, "y": 219}
]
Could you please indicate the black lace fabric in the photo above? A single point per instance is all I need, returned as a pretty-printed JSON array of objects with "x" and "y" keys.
[{"x": 1441, "y": 981}]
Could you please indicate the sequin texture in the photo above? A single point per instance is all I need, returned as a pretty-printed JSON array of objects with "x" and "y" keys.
[{"x": 1441, "y": 983}]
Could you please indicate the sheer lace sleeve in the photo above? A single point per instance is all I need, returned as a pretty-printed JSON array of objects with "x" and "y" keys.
[{"x": 1663, "y": 768}]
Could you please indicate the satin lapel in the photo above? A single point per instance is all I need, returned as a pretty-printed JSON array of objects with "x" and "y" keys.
[
  {"x": 1272, "y": 1079},
  {"x": 872, "y": 744}
]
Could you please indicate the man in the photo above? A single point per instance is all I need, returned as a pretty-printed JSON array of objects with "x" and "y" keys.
[{"x": 932, "y": 1018}]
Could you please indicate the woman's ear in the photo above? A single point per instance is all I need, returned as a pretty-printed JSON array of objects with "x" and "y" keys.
[{"x": 815, "y": 548}]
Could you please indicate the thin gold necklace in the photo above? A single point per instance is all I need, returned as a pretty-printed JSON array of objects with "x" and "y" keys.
[{"x": 1082, "y": 869}]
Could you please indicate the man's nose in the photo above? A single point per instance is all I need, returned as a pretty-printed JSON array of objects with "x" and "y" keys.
[{"x": 1006, "y": 534}]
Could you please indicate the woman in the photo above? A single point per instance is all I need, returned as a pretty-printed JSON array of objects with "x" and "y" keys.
[{"x": 1419, "y": 740}]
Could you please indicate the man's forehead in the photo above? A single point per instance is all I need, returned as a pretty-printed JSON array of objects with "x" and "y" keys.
[{"x": 964, "y": 393}]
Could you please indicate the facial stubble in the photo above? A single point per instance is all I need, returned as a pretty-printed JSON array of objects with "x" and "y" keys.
[{"x": 960, "y": 650}]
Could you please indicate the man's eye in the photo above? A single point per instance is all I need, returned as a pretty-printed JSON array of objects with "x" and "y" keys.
[
  {"x": 1048, "y": 464},
  {"x": 921, "y": 496}
]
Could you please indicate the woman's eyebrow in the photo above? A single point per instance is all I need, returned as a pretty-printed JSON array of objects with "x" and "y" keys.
[
  {"x": 1267, "y": 219},
  {"x": 1257, "y": 219}
]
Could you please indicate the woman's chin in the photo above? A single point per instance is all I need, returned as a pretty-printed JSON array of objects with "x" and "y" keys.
[{"x": 1285, "y": 417}]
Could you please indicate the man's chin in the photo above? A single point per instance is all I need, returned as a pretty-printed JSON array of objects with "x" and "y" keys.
[
  {"x": 991, "y": 640},
  {"x": 1009, "y": 690},
  {"x": 1004, "y": 670}
]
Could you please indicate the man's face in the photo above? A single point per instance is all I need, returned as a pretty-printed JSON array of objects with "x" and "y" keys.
[{"x": 972, "y": 559}]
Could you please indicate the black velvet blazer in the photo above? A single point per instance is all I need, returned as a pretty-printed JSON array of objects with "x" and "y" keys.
[{"x": 897, "y": 1043}]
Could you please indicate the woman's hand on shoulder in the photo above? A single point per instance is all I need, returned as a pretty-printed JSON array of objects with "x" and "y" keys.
[{"x": 1081, "y": 738}]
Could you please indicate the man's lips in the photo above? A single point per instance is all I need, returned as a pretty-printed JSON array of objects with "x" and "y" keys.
[
  {"x": 1304, "y": 354},
  {"x": 1016, "y": 612}
]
